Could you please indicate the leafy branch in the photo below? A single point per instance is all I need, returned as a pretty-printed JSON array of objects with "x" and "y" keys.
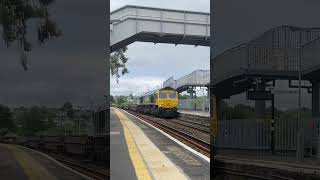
[
  {"x": 118, "y": 62},
  {"x": 14, "y": 15}
]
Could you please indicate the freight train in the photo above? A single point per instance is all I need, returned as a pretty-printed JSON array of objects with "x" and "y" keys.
[{"x": 161, "y": 103}]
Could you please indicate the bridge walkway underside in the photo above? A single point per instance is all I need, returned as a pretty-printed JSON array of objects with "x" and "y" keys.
[
  {"x": 276, "y": 54},
  {"x": 145, "y": 24},
  {"x": 198, "y": 78}
]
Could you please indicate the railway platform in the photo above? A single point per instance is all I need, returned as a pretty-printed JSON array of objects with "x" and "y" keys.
[
  {"x": 145, "y": 152},
  {"x": 20, "y": 163},
  {"x": 119, "y": 154},
  {"x": 194, "y": 112}
]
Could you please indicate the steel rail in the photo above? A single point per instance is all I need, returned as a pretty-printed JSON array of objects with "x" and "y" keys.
[
  {"x": 203, "y": 129},
  {"x": 197, "y": 123},
  {"x": 95, "y": 174}
]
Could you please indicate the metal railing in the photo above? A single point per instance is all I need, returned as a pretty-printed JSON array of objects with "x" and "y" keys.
[
  {"x": 255, "y": 134},
  {"x": 275, "y": 51},
  {"x": 194, "y": 104},
  {"x": 196, "y": 78},
  {"x": 247, "y": 134}
]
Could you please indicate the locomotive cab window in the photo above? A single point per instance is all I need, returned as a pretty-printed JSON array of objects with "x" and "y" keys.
[
  {"x": 162, "y": 95},
  {"x": 172, "y": 95}
]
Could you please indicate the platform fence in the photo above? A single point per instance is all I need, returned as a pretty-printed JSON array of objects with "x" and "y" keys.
[
  {"x": 254, "y": 135},
  {"x": 194, "y": 104}
]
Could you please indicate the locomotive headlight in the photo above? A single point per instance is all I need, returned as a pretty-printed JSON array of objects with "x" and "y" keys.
[{"x": 160, "y": 105}]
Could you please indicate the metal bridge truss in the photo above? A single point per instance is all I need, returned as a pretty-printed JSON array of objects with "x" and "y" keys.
[
  {"x": 275, "y": 55},
  {"x": 135, "y": 23},
  {"x": 198, "y": 78},
  {"x": 311, "y": 59}
]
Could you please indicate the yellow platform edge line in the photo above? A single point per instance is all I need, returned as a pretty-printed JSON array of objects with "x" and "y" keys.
[
  {"x": 139, "y": 165},
  {"x": 32, "y": 169}
]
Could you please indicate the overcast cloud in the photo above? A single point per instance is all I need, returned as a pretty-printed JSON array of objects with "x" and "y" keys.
[
  {"x": 236, "y": 22},
  {"x": 69, "y": 68},
  {"x": 150, "y": 64}
]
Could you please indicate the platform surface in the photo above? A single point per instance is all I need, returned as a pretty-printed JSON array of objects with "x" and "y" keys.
[
  {"x": 120, "y": 161},
  {"x": 19, "y": 163},
  {"x": 164, "y": 159},
  {"x": 194, "y": 112}
]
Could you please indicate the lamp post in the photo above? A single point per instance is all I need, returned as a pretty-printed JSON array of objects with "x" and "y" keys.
[{"x": 300, "y": 140}]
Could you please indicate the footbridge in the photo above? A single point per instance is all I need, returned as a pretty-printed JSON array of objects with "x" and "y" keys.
[
  {"x": 198, "y": 78},
  {"x": 276, "y": 54},
  {"x": 283, "y": 53},
  {"x": 189, "y": 82},
  {"x": 146, "y": 24}
]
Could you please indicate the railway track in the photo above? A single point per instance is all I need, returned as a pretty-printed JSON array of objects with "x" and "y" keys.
[
  {"x": 224, "y": 172},
  {"x": 197, "y": 143},
  {"x": 194, "y": 122},
  {"x": 198, "y": 126},
  {"x": 91, "y": 173},
  {"x": 194, "y": 119}
]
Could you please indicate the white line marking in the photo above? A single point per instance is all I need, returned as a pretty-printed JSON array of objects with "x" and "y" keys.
[
  {"x": 115, "y": 132},
  {"x": 57, "y": 162},
  {"x": 174, "y": 139}
]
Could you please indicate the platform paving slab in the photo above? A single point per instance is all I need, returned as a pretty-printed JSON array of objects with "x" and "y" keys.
[
  {"x": 9, "y": 167},
  {"x": 195, "y": 112},
  {"x": 193, "y": 166},
  {"x": 121, "y": 166},
  {"x": 29, "y": 164}
]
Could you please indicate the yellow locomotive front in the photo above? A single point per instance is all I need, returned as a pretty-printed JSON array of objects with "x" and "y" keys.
[
  {"x": 162, "y": 103},
  {"x": 167, "y": 102}
]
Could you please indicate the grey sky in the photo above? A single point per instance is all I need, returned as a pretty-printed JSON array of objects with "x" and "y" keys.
[
  {"x": 69, "y": 68},
  {"x": 239, "y": 21},
  {"x": 150, "y": 64}
]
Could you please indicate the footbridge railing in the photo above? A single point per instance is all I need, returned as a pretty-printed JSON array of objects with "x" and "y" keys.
[
  {"x": 274, "y": 53},
  {"x": 146, "y": 24}
]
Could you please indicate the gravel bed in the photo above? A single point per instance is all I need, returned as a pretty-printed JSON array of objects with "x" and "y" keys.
[
  {"x": 194, "y": 132},
  {"x": 194, "y": 118}
]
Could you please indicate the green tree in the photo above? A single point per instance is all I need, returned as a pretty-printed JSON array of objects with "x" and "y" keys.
[
  {"x": 242, "y": 111},
  {"x": 121, "y": 100},
  {"x": 112, "y": 101},
  {"x": 14, "y": 18},
  {"x": 6, "y": 120},
  {"x": 33, "y": 121},
  {"x": 67, "y": 106},
  {"x": 226, "y": 110},
  {"x": 291, "y": 114},
  {"x": 185, "y": 96},
  {"x": 118, "y": 62}
]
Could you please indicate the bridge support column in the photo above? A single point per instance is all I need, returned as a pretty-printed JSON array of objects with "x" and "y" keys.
[
  {"x": 219, "y": 108},
  {"x": 192, "y": 93},
  {"x": 260, "y": 105},
  {"x": 316, "y": 98}
]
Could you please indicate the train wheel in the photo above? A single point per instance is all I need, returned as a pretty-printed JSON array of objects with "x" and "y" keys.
[{"x": 153, "y": 113}]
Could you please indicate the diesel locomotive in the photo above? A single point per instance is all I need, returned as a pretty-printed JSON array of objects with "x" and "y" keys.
[{"x": 160, "y": 103}]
